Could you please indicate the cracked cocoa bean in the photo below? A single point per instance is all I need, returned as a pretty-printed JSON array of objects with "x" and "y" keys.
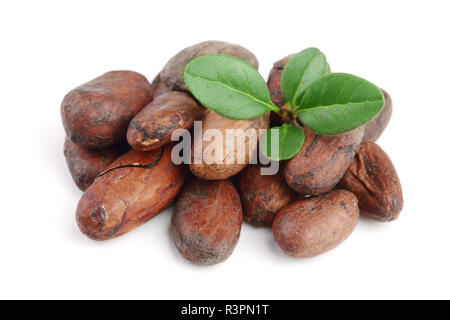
[
  {"x": 97, "y": 114},
  {"x": 207, "y": 221},
  {"x": 86, "y": 164},
  {"x": 263, "y": 195},
  {"x": 129, "y": 192},
  {"x": 307, "y": 228},
  {"x": 153, "y": 126},
  {"x": 375, "y": 127},
  {"x": 173, "y": 73},
  {"x": 220, "y": 164},
  {"x": 373, "y": 179},
  {"x": 321, "y": 162}
]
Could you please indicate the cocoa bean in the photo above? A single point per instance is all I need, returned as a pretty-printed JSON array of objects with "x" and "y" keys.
[
  {"x": 129, "y": 192},
  {"x": 86, "y": 164},
  {"x": 321, "y": 162},
  {"x": 375, "y": 127},
  {"x": 373, "y": 179},
  {"x": 172, "y": 74},
  {"x": 207, "y": 221},
  {"x": 153, "y": 126},
  {"x": 263, "y": 195},
  {"x": 307, "y": 228},
  {"x": 97, "y": 114},
  {"x": 215, "y": 167}
]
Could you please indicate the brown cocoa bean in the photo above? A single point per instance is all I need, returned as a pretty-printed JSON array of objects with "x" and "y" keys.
[
  {"x": 86, "y": 164},
  {"x": 375, "y": 127},
  {"x": 129, "y": 192},
  {"x": 158, "y": 86},
  {"x": 321, "y": 162},
  {"x": 221, "y": 164},
  {"x": 307, "y": 228},
  {"x": 97, "y": 114},
  {"x": 153, "y": 126},
  {"x": 373, "y": 179},
  {"x": 173, "y": 73},
  {"x": 207, "y": 221},
  {"x": 263, "y": 195}
]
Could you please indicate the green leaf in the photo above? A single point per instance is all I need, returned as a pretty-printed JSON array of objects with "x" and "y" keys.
[
  {"x": 337, "y": 103},
  {"x": 229, "y": 86},
  {"x": 282, "y": 143},
  {"x": 306, "y": 66}
]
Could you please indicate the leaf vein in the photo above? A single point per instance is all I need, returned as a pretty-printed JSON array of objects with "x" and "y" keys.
[
  {"x": 271, "y": 107},
  {"x": 336, "y": 104},
  {"x": 303, "y": 75}
]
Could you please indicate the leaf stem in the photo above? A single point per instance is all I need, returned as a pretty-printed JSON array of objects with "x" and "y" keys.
[
  {"x": 286, "y": 113},
  {"x": 275, "y": 109}
]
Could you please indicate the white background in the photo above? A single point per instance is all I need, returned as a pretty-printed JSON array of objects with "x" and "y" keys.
[{"x": 49, "y": 47}]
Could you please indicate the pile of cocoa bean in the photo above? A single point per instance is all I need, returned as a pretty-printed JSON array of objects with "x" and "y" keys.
[{"x": 118, "y": 150}]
